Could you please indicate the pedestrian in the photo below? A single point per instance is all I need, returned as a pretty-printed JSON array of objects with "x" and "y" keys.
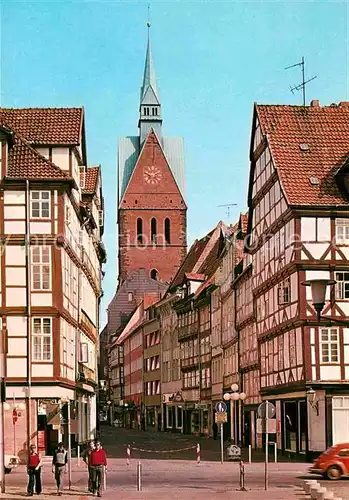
[
  {"x": 59, "y": 466},
  {"x": 215, "y": 430},
  {"x": 34, "y": 471},
  {"x": 86, "y": 456},
  {"x": 98, "y": 460}
]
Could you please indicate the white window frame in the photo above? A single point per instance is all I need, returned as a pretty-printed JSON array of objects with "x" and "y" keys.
[
  {"x": 37, "y": 251},
  {"x": 342, "y": 230},
  {"x": 341, "y": 291},
  {"x": 40, "y": 200},
  {"x": 330, "y": 344},
  {"x": 41, "y": 335}
]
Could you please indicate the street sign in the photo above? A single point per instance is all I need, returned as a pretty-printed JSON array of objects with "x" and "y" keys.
[
  {"x": 273, "y": 425},
  {"x": 221, "y": 407},
  {"x": 221, "y": 417},
  {"x": 234, "y": 452},
  {"x": 266, "y": 410}
]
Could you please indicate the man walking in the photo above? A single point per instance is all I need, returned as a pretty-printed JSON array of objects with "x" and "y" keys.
[
  {"x": 87, "y": 459},
  {"x": 59, "y": 466},
  {"x": 34, "y": 471},
  {"x": 98, "y": 460}
]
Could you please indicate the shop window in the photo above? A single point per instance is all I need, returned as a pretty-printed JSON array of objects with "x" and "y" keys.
[{"x": 291, "y": 425}]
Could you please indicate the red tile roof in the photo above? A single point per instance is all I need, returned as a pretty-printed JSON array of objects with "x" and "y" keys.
[
  {"x": 91, "y": 180},
  {"x": 190, "y": 260},
  {"x": 24, "y": 162},
  {"x": 51, "y": 126},
  {"x": 310, "y": 142}
]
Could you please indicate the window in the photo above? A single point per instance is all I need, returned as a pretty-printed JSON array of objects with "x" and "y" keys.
[
  {"x": 41, "y": 268},
  {"x": 130, "y": 296},
  {"x": 67, "y": 215},
  {"x": 42, "y": 339},
  {"x": 40, "y": 204},
  {"x": 329, "y": 344},
  {"x": 154, "y": 274},
  {"x": 153, "y": 230},
  {"x": 342, "y": 230},
  {"x": 167, "y": 230},
  {"x": 155, "y": 111},
  {"x": 342, "y": 286},
  {"x": 139, "y": 230},
  {"x": 146, "y": 111},
  {"x": 284, "y": 292}
]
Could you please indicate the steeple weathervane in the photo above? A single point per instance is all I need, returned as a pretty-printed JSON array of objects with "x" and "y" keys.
[{"x": 150, "y": 106}]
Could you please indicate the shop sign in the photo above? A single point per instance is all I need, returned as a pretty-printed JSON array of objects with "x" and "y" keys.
[{"x": 221, "y": 418}]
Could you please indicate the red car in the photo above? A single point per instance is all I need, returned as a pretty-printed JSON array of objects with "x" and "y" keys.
[{"x": 332, "y": 463}]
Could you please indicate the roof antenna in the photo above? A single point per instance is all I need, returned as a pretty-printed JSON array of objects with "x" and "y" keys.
[
  {"x": 302, "y": 85},
  {"x": 228, "y": 207}
]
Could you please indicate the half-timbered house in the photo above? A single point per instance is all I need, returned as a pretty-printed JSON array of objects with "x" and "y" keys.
[
  {"x": 51, "y": 223},
  {"x": 298, "y": 220}
]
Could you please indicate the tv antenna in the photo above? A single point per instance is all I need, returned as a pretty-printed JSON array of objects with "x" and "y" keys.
[
  {"x": 302, "y": 85},
  {"x": 228, "y": 207}
]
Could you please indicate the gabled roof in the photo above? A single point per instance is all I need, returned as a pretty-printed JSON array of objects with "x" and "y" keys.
[
  {"x": 89, "y": 179},
  {"x": 24, "y": 162},
  {"x": 308, "y": 146},
  {"x": 39, "y": 126},
  {"x": 190, "y": 260}
]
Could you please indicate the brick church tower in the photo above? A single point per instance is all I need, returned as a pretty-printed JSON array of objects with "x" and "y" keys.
[{"x": 151, "y": 197}]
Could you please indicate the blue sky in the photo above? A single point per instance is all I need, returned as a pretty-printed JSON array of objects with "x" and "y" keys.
[{"x": 213, "y": 60}]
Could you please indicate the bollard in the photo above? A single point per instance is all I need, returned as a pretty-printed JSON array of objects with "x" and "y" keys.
[
  {"x": 139, "y": 476},
  {"x": 242, "y": 476},
  {"x": 276, "y": 452},
  {"x": 128, "y": 454},
  {"x": 78, "y": 453},
  {"x": 314, "y": 488},
  {"x": 320, "y": 494},
  {"x": 308, "y": 484},
  {"x": 249, "y": 454},
  {"x": 198, "y": 453}
]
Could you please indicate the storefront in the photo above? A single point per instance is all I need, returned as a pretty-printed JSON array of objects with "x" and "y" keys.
[{"x": 294, "y": 428}]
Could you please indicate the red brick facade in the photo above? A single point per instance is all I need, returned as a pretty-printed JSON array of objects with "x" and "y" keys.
[{"x": 152, "y": 194}]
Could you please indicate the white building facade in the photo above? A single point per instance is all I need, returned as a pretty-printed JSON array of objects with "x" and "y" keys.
[{"x": 51, "y": 224}]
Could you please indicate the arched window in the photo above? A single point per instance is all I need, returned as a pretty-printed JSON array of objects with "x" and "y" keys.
[
  {"x": 139, "y": 230},
  {"x": 167, "y": 230},
  {"x": 154, "y": 274},
  {"x": 153, "y": 230}
]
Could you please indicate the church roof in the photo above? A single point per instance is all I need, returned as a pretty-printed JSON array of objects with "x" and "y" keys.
[
  {"x": 149, "y": 80},
  {"x": 128, "y": 153}
]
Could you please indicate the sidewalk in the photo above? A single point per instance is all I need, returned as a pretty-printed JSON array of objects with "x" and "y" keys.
[{"x": 179, "y": 479}]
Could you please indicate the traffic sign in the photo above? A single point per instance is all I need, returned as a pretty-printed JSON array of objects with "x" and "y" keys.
[
  {"x": 266, "y": 410},
  {"x": 273, "y": 426},
  {"x": 221, "y": 417},
  {"x": 221, "y": 407}
]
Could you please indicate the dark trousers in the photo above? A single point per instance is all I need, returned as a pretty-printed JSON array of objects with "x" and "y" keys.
[
  {"x": 97, "y": 478},
  {"x": 34, "y": 480},
  {"x": 59, "y": 471},
  {"x": 90, "y": 478}
]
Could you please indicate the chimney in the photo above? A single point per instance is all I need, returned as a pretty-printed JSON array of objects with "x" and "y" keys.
[
  {"x": 344, "y": 104},
  {"x": 315, "y": 103}
]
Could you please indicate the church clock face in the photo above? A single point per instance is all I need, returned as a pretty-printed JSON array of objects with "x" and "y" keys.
[{"x": 152, "y": 175}]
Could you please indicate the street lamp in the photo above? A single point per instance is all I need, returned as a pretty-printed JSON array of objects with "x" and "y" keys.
[
  {"x": 233, "y": 397},
  {"x": 311, "y": 395},
  {"x": 318, "y": 293}
]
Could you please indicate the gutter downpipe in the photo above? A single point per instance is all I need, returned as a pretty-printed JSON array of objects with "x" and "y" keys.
[{"x": 29, "y": 329}]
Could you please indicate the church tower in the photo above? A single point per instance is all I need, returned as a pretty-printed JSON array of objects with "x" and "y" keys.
[{"x": 151, "y": 191}]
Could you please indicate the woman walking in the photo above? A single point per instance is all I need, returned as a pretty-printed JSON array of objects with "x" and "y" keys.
[
  {"x": 59, "y": 466},
  {"x": 34, "y": 471}
]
